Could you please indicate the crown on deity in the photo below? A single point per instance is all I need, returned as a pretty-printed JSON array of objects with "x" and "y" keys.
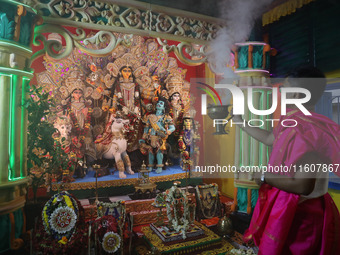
[
  {"x": 187, "y": 115},
  {"x": 174, "y": 83},
  {"x": 128, "y": 60},
  {"x": 74, "y": 81},
  {"x": 63, "y": 120}
]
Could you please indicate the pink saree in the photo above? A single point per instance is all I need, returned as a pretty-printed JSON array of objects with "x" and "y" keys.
[{"x": 282, "y": 225}]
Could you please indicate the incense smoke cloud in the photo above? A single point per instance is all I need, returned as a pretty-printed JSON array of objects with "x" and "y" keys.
[{"x": 240, "y": 17}]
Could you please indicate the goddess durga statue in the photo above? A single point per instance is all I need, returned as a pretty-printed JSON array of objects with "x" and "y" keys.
[
  {"x": 125, "y": 94},
  {"x": 125, "y": 91}
]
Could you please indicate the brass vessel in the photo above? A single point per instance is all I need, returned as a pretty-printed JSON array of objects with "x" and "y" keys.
[{"x": 225, "y": 226}]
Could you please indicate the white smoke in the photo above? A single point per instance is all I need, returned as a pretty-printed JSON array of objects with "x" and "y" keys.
[{"x": 240, "y": 17}]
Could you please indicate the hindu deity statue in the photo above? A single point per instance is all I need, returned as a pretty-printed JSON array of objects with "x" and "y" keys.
[
  {"x": 113, "y": 145},
  {"x": 175, "y": 88},
  {"x": 152, "y": 88},
  {"x": 64, "y": 126},
  {"x": 125, "y": 95},
  {"x": 125, "y": 90},
  {"x": 78, "y": 110},
  {"x": 158, "y": 86},
  {"x": 158, "y": 127},
  {"x": 96, "y": 80}
]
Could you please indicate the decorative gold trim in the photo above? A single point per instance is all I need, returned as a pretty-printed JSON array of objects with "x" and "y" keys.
[
  {"x": 116, "y": 183},
  {"x": 282, "y": 10}
]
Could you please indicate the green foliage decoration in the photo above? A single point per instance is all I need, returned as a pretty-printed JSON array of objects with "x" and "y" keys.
[{"x": 44, "y": 154}]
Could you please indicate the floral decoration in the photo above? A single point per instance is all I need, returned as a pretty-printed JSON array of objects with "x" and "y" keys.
[
  {"x": 179, "y": 224},
  {"x": 63, "y": 219},
  {"x": 111, "y": 242},
  {"x": 108, "y": 233},
  {"x": 62, "y": 228},
  {"x": 242, "y": 252}
]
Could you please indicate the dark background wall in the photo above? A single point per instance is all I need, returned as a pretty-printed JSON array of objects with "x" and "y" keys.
[{"x": 309, "y": 36}]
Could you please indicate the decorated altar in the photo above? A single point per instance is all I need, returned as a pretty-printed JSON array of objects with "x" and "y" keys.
[
  {"x": 107, "y": 112},
  {"x": 180, "y": 233},
  {"x": 208, "y": 242}
]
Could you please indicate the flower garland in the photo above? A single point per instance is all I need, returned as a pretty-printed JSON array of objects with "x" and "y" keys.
[
  {"x": 49, "y": 239},
  {"x": 204, "y": 205},
  {"x": 178, "y": 224},
  {"x": 63, "y": 219},
  {"x": 51, "y": 215},
  {"x": 116, "y": 209},
  {"x": 106, "y": 232}
]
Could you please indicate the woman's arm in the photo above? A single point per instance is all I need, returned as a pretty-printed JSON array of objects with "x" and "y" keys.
[
  {"x": 303, "y": 182},
  {"x": 297, "y": 185}
]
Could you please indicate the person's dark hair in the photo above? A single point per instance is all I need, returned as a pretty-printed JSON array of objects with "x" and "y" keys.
[{"x": 310, "y": 78}]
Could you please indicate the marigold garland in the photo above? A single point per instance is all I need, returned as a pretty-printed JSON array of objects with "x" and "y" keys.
[{"x": 48, "y": 241}]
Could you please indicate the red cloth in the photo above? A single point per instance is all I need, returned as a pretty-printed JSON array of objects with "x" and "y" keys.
[{"x": 280, "y": 225}]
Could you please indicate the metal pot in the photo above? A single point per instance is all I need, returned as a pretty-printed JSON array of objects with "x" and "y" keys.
[{"x": 225, "y": 226}]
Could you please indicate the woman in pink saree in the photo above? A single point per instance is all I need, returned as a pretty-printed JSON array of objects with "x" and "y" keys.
[{"x": 294, "y": 213}]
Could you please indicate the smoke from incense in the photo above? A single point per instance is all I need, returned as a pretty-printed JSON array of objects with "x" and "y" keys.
[{"x": 240, "y": 16}]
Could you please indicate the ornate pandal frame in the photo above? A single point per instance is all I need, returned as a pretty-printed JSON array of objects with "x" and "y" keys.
[{"x": 192, "y": 30}]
